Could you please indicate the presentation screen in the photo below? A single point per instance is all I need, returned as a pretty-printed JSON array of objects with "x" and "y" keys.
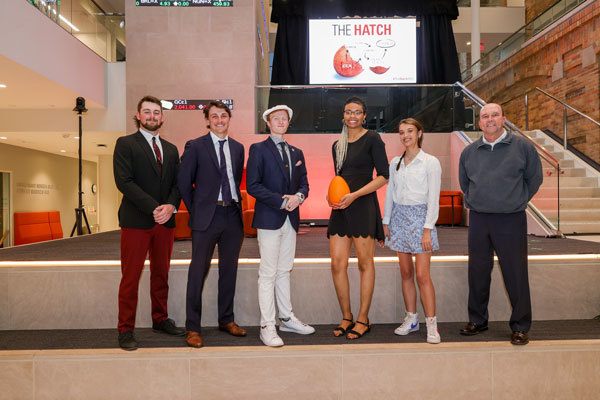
[{"x": 361, "y": 50}]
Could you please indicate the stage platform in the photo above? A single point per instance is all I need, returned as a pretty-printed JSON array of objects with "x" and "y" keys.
[
  {"x": 58, "y": 307},
  {"x": 312, "y": 243},
  {"x": 558, "y": 369},
  {"x": 72, "y": 283}
]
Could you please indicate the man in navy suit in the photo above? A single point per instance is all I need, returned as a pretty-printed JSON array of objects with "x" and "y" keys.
[
  {"x": 145, "y": 168},
  {"x": 209, "y": 181},
  {"x": 276, "y": 177}
]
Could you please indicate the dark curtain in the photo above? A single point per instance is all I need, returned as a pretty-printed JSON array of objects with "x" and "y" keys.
[
  {"x": 437, "y": 61},
  {"x": 290, "y": 58}
]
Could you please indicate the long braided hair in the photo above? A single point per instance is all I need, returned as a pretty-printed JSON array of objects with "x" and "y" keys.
[{"x": 341, "y": 148}]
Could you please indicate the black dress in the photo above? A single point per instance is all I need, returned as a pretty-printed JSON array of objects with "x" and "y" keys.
[{"x": 363, "y": 216}]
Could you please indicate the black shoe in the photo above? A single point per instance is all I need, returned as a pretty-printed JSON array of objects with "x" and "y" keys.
[
  {"x": 168, "y": 326},
  {"x": 472, "y": 329},
  {"x": 519, "y": 338},
  {"x": 127, "y": 341}
]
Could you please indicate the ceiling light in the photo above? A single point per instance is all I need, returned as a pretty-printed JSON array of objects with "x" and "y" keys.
[
  {"x": 63, "y": 151},
  {"x": 76, "y": 137},
  {"x": 468, "y": 43},
  {"x": 3, "y": 138},
  {"x": 69, "y": 23}
]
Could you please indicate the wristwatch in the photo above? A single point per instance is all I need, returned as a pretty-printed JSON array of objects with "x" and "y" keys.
[{"x": 300, "y": 196}]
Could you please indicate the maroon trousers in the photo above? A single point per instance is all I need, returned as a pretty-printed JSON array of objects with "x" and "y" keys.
[{"x": 157, "y": 242}]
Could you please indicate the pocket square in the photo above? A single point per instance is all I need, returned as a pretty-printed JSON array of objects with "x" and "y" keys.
[{"x": 299, "y": 163}]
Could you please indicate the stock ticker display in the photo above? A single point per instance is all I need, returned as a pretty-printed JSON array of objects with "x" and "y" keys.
[
  {"x": 191, "y": 105},
  {"x": 184, "y": 3}
]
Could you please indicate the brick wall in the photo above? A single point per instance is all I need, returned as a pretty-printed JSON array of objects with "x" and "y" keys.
[
  {"x": 533, "y": 8},
  {"x": 564, "y": 62}
]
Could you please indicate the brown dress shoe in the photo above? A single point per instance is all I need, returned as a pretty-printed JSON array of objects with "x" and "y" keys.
[
  {"x": 519, "y": 338},
  {"x": 233, "y": 329},
  {"x": 194, "y": 339}
]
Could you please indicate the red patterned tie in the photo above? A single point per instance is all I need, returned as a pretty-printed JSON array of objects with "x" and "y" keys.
[{"x": 157, "y": 152}]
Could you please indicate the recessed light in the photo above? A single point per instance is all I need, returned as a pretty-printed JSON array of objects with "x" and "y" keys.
[
  {"x": 76, "y": 137},
  {"x": 468, "y": 43},
  {"x": 3, "y": 138},
  {"x": 63, "y": 151},
  {"x": 2, "y": 86}
]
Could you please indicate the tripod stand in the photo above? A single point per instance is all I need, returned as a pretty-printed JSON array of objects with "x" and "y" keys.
[{"x": 80, "y": 215}]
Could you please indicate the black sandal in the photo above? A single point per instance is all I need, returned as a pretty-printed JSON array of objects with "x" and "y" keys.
[
  {"x": 358, "y": 334},
  {"x": 342, "y": 331}
]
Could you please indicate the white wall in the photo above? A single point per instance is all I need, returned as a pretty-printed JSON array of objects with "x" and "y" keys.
[
  {"x": 31, "y": 39},
  {"x": 44, "y": 182}
]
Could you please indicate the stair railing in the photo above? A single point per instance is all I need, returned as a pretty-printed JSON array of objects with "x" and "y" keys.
[
  {"x": 546, "y": 156},
  {"x": 565, "y": 106}
]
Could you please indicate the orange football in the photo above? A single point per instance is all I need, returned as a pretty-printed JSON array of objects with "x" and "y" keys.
[{"x": 338, "y": 188}]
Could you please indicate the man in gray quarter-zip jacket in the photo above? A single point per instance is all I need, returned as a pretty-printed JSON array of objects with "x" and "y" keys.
[{"x": 499, "y": 174}]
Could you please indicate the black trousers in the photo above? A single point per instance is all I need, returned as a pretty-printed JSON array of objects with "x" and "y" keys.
[
  {"x": 225, "y": 230},
  {"x": 506, "y": 234}
]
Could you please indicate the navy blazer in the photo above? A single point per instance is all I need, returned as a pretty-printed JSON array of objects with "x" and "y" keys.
[
  {"x": 144, "y": 188},
  {"x": 268, "y": 180},
  {"x": 199, "y": 178}
]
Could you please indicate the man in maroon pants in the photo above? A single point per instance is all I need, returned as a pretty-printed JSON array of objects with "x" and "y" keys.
[{"x": 145, "y": 167}]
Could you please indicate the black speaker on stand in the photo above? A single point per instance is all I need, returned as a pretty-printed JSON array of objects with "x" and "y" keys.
[{"x": 80, "y": 215}]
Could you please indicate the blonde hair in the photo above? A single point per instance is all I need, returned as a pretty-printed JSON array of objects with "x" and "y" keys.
[{"x": 341, "y": 148}]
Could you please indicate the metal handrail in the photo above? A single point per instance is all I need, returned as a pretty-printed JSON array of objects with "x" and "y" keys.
[
  {"x": 468, "y": 74},
  {"x": 448, "y": 85},
  {"x": 546, "y": 155},
  {"x": 558, "y": 100}
]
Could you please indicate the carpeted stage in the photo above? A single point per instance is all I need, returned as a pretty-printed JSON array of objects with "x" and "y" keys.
[
  {"x": 312, "y": 242},
  {"x": 380, "y": 334}
]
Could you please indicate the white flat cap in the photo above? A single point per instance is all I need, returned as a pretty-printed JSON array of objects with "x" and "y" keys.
[{"x": 277, "y": 108}]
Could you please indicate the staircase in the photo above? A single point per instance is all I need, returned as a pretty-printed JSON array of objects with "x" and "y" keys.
[{"x": 579, "y": 189}]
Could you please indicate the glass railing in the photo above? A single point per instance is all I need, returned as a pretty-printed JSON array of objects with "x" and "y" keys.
[
  {"x": 317, "y": 108},
  {"x": 441, "y": 108},
  {"x": 515, "y": 42},
  {"x": 546, "y": 203},
  {"x": 103, "y": 33}
]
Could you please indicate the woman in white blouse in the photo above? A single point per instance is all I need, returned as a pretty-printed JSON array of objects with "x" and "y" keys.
[{"x": 411, "y": 210}]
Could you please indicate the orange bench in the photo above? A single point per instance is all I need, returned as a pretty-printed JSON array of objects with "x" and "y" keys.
[
  {"x": 182, "y": 223},
  {"x": 32, "y": 227},
  {"x": 248, "y": 203},
  {"x": 182, "y": 218},
  {"x": 451, "y": 208}
]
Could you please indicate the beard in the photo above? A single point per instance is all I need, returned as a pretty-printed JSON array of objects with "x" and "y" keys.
[{"x": 151, "y": 128}]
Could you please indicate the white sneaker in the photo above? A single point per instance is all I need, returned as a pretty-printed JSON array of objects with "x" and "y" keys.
[
  {"x": 269, "y": 336},
  {"x": 433, "y": 336},
  {"x": 410, "y": 324},
  {"x": 294, "y": 325}
]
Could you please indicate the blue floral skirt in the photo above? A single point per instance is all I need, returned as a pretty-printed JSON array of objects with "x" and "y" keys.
[{"x": 406, "y": 229}]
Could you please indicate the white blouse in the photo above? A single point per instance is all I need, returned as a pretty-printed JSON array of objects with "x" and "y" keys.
[{"x": 417, "y": 183}]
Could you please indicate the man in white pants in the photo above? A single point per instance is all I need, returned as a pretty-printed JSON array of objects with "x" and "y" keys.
[{"x": 276, "y": 177}]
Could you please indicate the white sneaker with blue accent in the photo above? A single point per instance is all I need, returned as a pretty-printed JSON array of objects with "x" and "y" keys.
[{"x": 410, "y": 324}]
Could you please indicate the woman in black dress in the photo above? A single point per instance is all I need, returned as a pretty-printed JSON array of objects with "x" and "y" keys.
[{"x": 356, "y": 219}]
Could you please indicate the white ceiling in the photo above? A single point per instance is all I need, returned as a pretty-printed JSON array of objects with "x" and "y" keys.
[{"x": 29, "y": 91}]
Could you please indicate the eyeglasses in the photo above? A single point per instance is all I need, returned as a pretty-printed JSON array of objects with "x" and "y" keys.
[{"x": 358, "y": 113}]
